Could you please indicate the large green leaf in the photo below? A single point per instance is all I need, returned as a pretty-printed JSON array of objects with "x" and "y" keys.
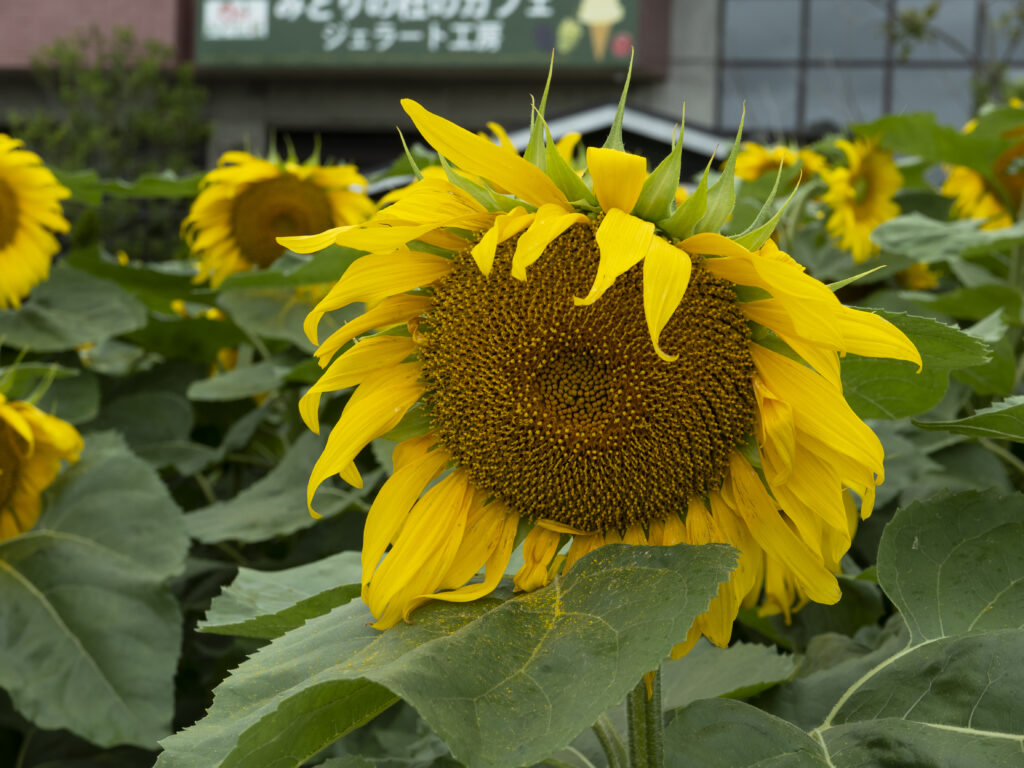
[
  {"x": 954, "y": 567},
  {"x": 266, "y": 604},
  {"x": 919, "y": 134},
  {"x": 1001, "y": 421},
  {"x": 926, "y": 240},
  {"x": 238, "y": 383},
  {"x": 505, "y": 682},
  {"x": 275, "y": 505},
  {"x": 155, "y": 283},
  {"x": 878, "y": 388},
  {"x": 275, "y": 313},
  {"x": 294, "y": 269},
  {"x": 70, "y": 309},
  {"x": 97, "y": 631}
]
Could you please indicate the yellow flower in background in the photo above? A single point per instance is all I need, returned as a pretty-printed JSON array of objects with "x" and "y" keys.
[
  {"x": 861, "y": 195},
  {"x": 974, "y": 197},
  {"x": 755, "y": 160},
  {"x": 580, "y": 369},
  {"x": 919, "y": 277},
  {"x": 30, "y": 212},
  {"x": 32, "y": 446},
  {"x": 247, "y": 202}
]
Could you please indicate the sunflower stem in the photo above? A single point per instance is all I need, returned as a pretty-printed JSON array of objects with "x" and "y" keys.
[
  {"x": 611, "y": 742},
  {"x": 646, "y": 723}
]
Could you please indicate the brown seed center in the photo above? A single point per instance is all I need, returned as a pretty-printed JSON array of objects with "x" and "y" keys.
[
  {"x": 278, "y": 207},
  {"x": 10, "y": 464},
  {"x": 566, "y": 412},
  {"x": 8, "y": 214}
]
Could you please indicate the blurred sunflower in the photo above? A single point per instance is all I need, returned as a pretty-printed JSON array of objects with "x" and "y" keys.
[
  {"x": 755, "y": 160},
  {"x": 585, "y": 367},
  {"x": 32, "y": 446},
  {"x": 861, "y": 195},
  {"x": 30, "y": 212},
  {"x": 975, "y": 197},
  {"x": 248, "y": 201}
]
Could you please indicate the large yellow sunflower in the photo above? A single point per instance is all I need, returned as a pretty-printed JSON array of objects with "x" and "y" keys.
[
  {"x": 974, "y": 197},
  {"x": 583, "y": 359},
  {"x": 861, "y": 195},
  {"x": 30, "y": 212},
  {"x": 32, "y": 446},
  {"x": 247, "y": 202}
]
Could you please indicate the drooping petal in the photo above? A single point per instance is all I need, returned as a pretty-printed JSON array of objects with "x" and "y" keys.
[
  {"x": 308, "y": 243},
  {"x": 618, "y": 177},
  {"x": 479, "y": 156},
  {"x": 666, "y": 276},
  {"x": 351, "y": 368},
  {"x": 624, "y": 241},
  {"x": 539, "y": 547},
  {"x": 867, "y": 334},
  {"x": 488, "y": 542},
  {"x": 391, "y": 311},
  {"x": 376, "y": 407},
  {"x": 505, "y": 225},
  {"x": 549, "y": 222}
]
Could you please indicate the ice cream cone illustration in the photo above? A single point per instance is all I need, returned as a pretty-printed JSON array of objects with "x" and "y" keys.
[{"x": 599, "y": 16}]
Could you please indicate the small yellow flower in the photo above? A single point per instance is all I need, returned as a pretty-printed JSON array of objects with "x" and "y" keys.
[
  {"x": 30, "y": 212},
  {"x": 919, "y": 277},
  {"x": 588, "y": 373},
  {"x": 861, "y": 195},
  {"x": 246, "y": 202},
  {"x": 32, "y": 446},
  {"x": 755, "y": 160}
]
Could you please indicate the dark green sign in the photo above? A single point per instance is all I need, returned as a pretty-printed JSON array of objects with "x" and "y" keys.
[{"x": 387, "y": 34}]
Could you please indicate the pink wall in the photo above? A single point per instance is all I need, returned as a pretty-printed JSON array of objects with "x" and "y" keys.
[{"x": 27, "y": 25}]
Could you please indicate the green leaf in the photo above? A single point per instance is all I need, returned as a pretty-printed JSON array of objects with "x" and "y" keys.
[
  {"x": 706, "y": 672},
  {"x": 1000, "y": 421},
  {"x": 659, "y": 191},
  {"x": 238, "y": 383},
  {"x": 974, "y": 303},
  {"x": 275, "y": 505},
  {"x": 295, "y": 269},
  {"x": 722, "y": 195},
  {"x": 505, "y": 682},
  {"x": 156, "y": 284},
  {"x": 266, "y": 604},
  {"x": 98, "y": 633},
  {"x": 926, "y": 240},
  {"x": 75, "y": 400},
  {"x": 148, "y": 418},
  {"x": 933, "y": 552},
  {"x": 878, "y": 388},
  {"x": 70, "y": 309},
  {"x": 718, "y": 733},
  {"x": 276, "y": 313}
]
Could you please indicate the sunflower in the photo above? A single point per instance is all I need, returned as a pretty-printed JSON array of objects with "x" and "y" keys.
[
  {"x": 577, "y": 357},
  {"x": 32, "y": 446},
  {"x": 30, "y": 212},
  {"x": 974, "y": 197},
  {"x": 755, "y": 160},
  {"x": 247, "y": 201},
  {"x": 861, "y": 195}
]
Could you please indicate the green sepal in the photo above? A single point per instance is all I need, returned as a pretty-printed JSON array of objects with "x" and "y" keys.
[
  {"x": 682, "y": 223},
  {"x": 659, "y": 191},
  {"x": 846, "y": 281},
  {"x": 722, "y": 196},
  {"x": 614, "y": 140},
  {"x": 481, "y": 194},
  {"x": 535, "y": 149},
  {"x": 560, "y": 172},
  {"x": 415, "y": 423},
  {"x": 408, "y": 156},
  {"x": 756, "y": 236}
]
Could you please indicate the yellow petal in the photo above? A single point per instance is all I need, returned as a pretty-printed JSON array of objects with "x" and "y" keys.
[
  {"x": 376, "y": 276},
  {"x": 566, "y": 146},
  {"x": 493, "y": 537},
  {"x": 777, "y": 434},
  {"x": 392, "y": 504},
  {"x": 775, "y": 536},
  {"x": 867, "y": 334},
  {"x": 505, "y": 225},
  {"x": 582, "y": 545},
  {"x": 375, "y": 407},
  {"x": 477, "y": 155},
  {"x": 549, "y": 222},
  {"x": 539, "y": 548},
  {"x": 423, "y": 551},
  {"x": 351, "y": 368},
  {"x": 390, "y": 312},
  {"x": 311, "y": 243},
  {"x": 502, "y": 136},
  {"x": 623, "y": 240},
  {"x": 666, "y": 276},
  {"x": 618, "y": 177}
]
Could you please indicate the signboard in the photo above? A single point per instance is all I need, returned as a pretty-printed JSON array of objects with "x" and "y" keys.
[{"x": 433, "y": 34}]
